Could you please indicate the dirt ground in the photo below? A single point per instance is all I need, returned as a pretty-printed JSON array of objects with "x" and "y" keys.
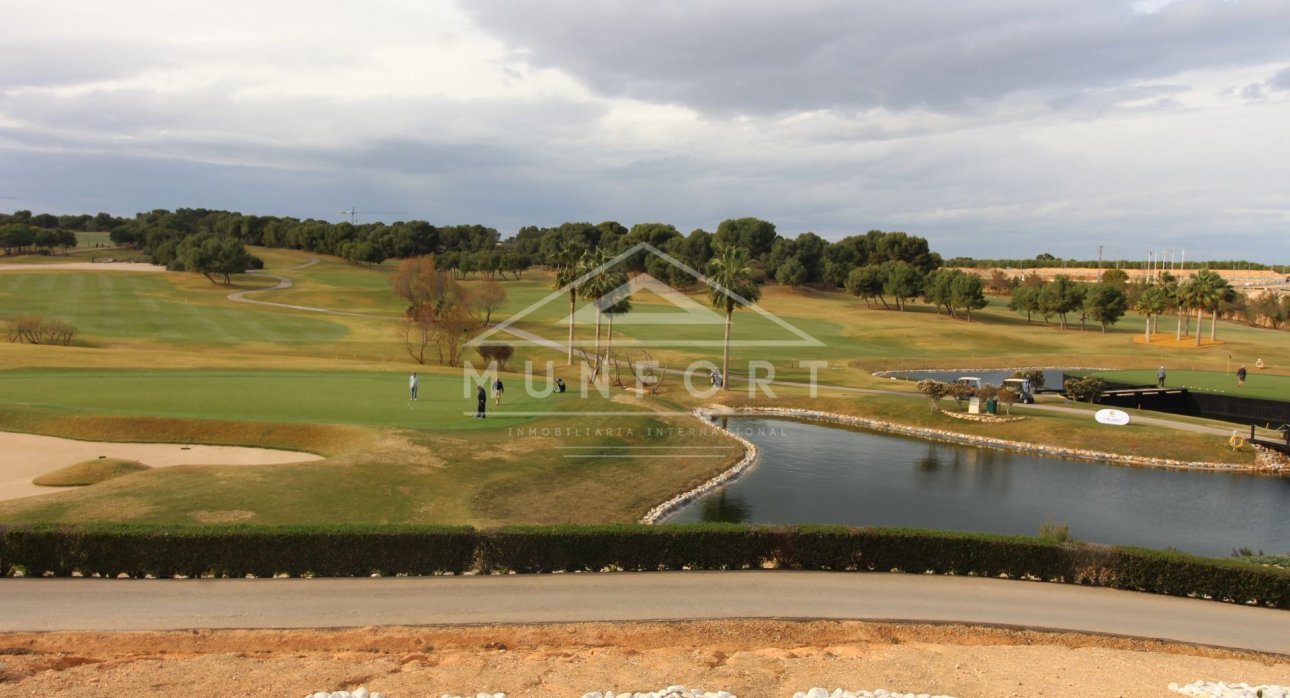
[
  {"x": 752, "y": 659},
  {"x": 27, "y": 456}
]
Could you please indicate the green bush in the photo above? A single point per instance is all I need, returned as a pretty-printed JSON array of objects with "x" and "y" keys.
[{"x": 347, "y": 551}]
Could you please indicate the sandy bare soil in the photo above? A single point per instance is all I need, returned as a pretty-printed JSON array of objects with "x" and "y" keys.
[
  {"x": 27, "y": 456},
  {"x": 752, "y": 659},
  {"x": 84, "y": 266}
]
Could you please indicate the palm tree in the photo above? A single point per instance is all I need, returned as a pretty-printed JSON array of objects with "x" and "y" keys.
[
  {"x": 1218, "y": 291},
  {"x": 1152, "y": 302},
  {"x": 596, "y": 284},
  {"x": 1206, "y": 291},
  {"x": 569, "y": 268},
  {"x": 622, "y": 307},
  {"x": 730, "y": 284},
  {"x": 1184, "y": 301}
]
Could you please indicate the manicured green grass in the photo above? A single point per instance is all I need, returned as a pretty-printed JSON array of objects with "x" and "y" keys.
[
  {"x": 315, "y": 397},
  {"x": 429, "y": 461},
  {"x": 148, "y": 306},
  {"x": 480, "y": 476},
  {"x": 1257, "y": 383}
]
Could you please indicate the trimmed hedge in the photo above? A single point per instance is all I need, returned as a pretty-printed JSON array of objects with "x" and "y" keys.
[
  {"x": 236, "y": 551},
  {"x": 348, "y": 551}
]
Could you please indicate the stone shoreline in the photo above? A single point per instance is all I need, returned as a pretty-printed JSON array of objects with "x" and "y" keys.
[
  {"x": 727, "y": 476},
  {"x": 1265, "y": 461}
]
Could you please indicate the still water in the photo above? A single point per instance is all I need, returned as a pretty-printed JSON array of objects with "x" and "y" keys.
[{"x": 809, "y": 473}]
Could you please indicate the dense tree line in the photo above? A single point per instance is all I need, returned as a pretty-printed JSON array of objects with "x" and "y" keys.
[{"x": 464, "y": 250}]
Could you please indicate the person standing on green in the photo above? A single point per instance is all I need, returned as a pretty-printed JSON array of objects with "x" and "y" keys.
[
  {"x": 1160, "y": 377},
  {"x": 1240, "y": 376},
  {"x": 481, "y": 403},
  {"x": 412, "y": 384}
]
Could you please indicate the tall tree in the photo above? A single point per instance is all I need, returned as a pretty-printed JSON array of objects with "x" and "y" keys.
[
  {"x": 427, "y": 289},
  {"x": 1151, "y": 303},
  {"x": 211, "y": 255},
  {"x": 967, "y": 291},
  {"x": 902, "y": 281},
  {"x": 597, "y": 280},
  {"x": 730, "y": 285},
  {"x": 1105, "y": 303},
  {"x": 754, "y": 235},
  {"x": 569, "y": 267}
]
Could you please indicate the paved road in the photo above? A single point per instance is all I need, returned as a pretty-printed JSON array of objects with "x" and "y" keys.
[{"x": 92, "y": 604}]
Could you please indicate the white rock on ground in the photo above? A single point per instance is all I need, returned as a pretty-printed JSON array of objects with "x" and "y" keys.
[
  {"x": 1219, "y": 689},
  {"x": 673, "y": 691},
  {"x": 876, "y": 693},
  {"x": 360, "y": 692}
]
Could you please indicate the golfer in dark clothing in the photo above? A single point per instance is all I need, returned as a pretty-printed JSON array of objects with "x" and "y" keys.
[
  {"x": 497, "y": 390},
  {"x": 1240, "y": 376},
  {"x": 481, "y": 398}
]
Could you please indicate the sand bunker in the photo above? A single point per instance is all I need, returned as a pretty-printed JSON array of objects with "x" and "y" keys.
[
  {"x": 84, "y": 266},
  {"x": 26, "y": 456}
]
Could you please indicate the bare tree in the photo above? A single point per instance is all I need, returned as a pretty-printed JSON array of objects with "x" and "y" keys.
[{"x": 484, "y": 299}]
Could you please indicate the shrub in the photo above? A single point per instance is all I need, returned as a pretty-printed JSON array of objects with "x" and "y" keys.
[
  {"x": 499, "y": 352},
  {"x": 1054, "y": 531},
  {"x": 34, "y": 329},
  {"x": 1085, "y": 389}
]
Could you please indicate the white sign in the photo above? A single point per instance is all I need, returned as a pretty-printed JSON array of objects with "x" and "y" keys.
[{"x": 1115, "y": 417}]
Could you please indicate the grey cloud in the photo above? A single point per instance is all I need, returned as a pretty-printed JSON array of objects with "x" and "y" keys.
[
  {"x": 736, "y": 56},
  {"x": 1281, "y": 80}
]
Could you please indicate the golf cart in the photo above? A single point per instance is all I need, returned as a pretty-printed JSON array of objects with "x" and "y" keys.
[{"x": 1022, "y": 387}]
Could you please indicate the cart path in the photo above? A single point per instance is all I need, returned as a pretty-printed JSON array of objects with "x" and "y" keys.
[{"x": 120, "y": 605}]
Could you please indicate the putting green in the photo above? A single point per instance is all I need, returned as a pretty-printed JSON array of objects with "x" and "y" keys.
[
  {"x": 317, "y": 397},
  {"x": 1257, "y": 385}
]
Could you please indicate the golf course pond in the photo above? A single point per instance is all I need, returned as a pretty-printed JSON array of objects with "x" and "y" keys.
[{"x": 813, "y": 474}]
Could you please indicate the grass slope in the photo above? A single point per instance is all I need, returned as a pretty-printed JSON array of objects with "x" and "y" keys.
[{"x": 90, "y": 472}]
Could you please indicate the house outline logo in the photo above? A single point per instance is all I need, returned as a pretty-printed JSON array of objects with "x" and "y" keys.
[{"x": 692, "y": 312}]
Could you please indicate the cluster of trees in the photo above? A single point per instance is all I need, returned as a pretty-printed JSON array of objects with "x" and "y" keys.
[
  {"x": 24, "y": 238},
  {"x": 1201, "y": 292},
  {"x": 83, "y": 222},
  {"x": 1265, "y": 309},
  {"x": 442, "y": 315},
  {"x": 1104, "y": 303},
  {"x": 587, "y": 274},
  {"x": 159, "y": 233},
  {"x": 951, "y": 289},
  {"x": 806, "y": 260}
]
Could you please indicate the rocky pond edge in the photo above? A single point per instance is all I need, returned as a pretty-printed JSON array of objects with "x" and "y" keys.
[{"x": 1266, "y": 461}]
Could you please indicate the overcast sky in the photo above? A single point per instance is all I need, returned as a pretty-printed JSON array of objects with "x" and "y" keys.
[{"x": 990, "y": 127}]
